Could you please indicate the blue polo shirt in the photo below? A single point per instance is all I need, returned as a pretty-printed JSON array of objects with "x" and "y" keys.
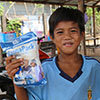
[{"x": 60, "y": 86}]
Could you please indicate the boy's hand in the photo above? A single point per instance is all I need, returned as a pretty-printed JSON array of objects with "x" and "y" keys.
[{"x": 12, "y": 65}]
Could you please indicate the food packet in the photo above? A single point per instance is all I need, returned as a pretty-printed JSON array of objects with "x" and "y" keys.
[{"x": 26, "y": 47}]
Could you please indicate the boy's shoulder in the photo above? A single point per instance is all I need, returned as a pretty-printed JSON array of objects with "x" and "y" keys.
[
  {"x": 49, "y": 60},
  {"x": 48, "y": 64},
  {"x": 91, "y": 61},
  {"x": 92, "y": 64}
]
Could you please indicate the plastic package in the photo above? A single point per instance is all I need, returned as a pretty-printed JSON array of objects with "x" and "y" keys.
[{"x": 31, "y": 72}]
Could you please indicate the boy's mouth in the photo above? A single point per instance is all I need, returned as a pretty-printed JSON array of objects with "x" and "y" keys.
[{"x": 68, "y": 44}]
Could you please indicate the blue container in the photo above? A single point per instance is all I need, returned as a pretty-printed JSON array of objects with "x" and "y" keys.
[
  {"x": 7, "y": 37},
  {"x": 2, "y": 35}
]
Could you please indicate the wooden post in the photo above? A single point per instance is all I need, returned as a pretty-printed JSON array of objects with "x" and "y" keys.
[
  {"x": 43, "y": 19},
  {"x": 81, "y": 8},
  {"x": 94, "y": 34},
  {"x": 81, "y": 5},
  {"x": 1, "y": 58},
  {"x": 3, "y": 23}
]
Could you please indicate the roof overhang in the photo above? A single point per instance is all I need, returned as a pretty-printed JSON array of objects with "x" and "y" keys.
[{"x": 90, "y": 3}]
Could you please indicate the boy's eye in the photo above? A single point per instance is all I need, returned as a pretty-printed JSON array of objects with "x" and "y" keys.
[
  {"x": 60, "y": 32},
  {"x": 74, "y": 31}
]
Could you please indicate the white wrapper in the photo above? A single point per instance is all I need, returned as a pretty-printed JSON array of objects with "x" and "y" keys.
[{"x": 31, "y": 72}]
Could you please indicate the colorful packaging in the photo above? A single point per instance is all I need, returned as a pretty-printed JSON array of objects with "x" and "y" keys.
[
  {"x": 7, "y": 36},
  {"x": 2, "y": 37},
  {"x": 31, "y": 72}
]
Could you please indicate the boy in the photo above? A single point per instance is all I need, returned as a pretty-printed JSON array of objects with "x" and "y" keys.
[{"x": 69, "y": 75}]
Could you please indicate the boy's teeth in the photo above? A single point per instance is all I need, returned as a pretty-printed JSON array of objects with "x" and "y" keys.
[{"x": 68, "y": 44}]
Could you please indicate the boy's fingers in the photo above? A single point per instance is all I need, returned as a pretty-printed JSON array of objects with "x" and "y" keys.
[
  {"x": 12, "y": 73},
  {"x": 10, "y": 68},
  {"x": 8, "y": 59},
  {"x": 12, "y": 65},
  {"x": 14, "y": 61}
]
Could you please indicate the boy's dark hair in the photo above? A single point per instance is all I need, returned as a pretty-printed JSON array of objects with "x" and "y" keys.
[{"x": 66, "y": 14}]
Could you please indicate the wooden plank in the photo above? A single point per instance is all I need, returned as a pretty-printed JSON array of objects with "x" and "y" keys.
[
  {"x": 96, "y": 3},
  {"x": 89, "y": 1}
]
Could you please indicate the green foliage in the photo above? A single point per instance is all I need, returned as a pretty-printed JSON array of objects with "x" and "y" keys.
[
  {"x": 74, "y": 7},
  {"x": 1, "y": 9},
  {"x": 14, "y": 25},
  {"x": 97, "y": 15},
  {"x": 89, "y": 12},
  {"x": 39, "y": 5}
]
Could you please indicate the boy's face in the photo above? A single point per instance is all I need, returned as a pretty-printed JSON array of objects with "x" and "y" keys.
[{"x": 67, "y": 37}]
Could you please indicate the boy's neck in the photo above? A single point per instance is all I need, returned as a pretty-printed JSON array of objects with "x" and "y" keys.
[
  {"x": 70, "y": 64},
  {"x": 69, "y": 58}
]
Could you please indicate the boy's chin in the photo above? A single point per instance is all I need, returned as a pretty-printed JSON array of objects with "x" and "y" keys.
[{"x": 69, "y": 52}]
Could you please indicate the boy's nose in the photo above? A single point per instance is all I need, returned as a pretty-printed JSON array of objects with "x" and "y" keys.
[{"x": 67, "y": 35}]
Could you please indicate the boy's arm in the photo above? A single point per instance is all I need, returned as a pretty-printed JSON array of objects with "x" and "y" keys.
[
  {"x": 21, "y": 93},
  {"x": 12, "y": 66}
]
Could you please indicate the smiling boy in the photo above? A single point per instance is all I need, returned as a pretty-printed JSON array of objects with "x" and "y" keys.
[{"x": 68, "y": 75}]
